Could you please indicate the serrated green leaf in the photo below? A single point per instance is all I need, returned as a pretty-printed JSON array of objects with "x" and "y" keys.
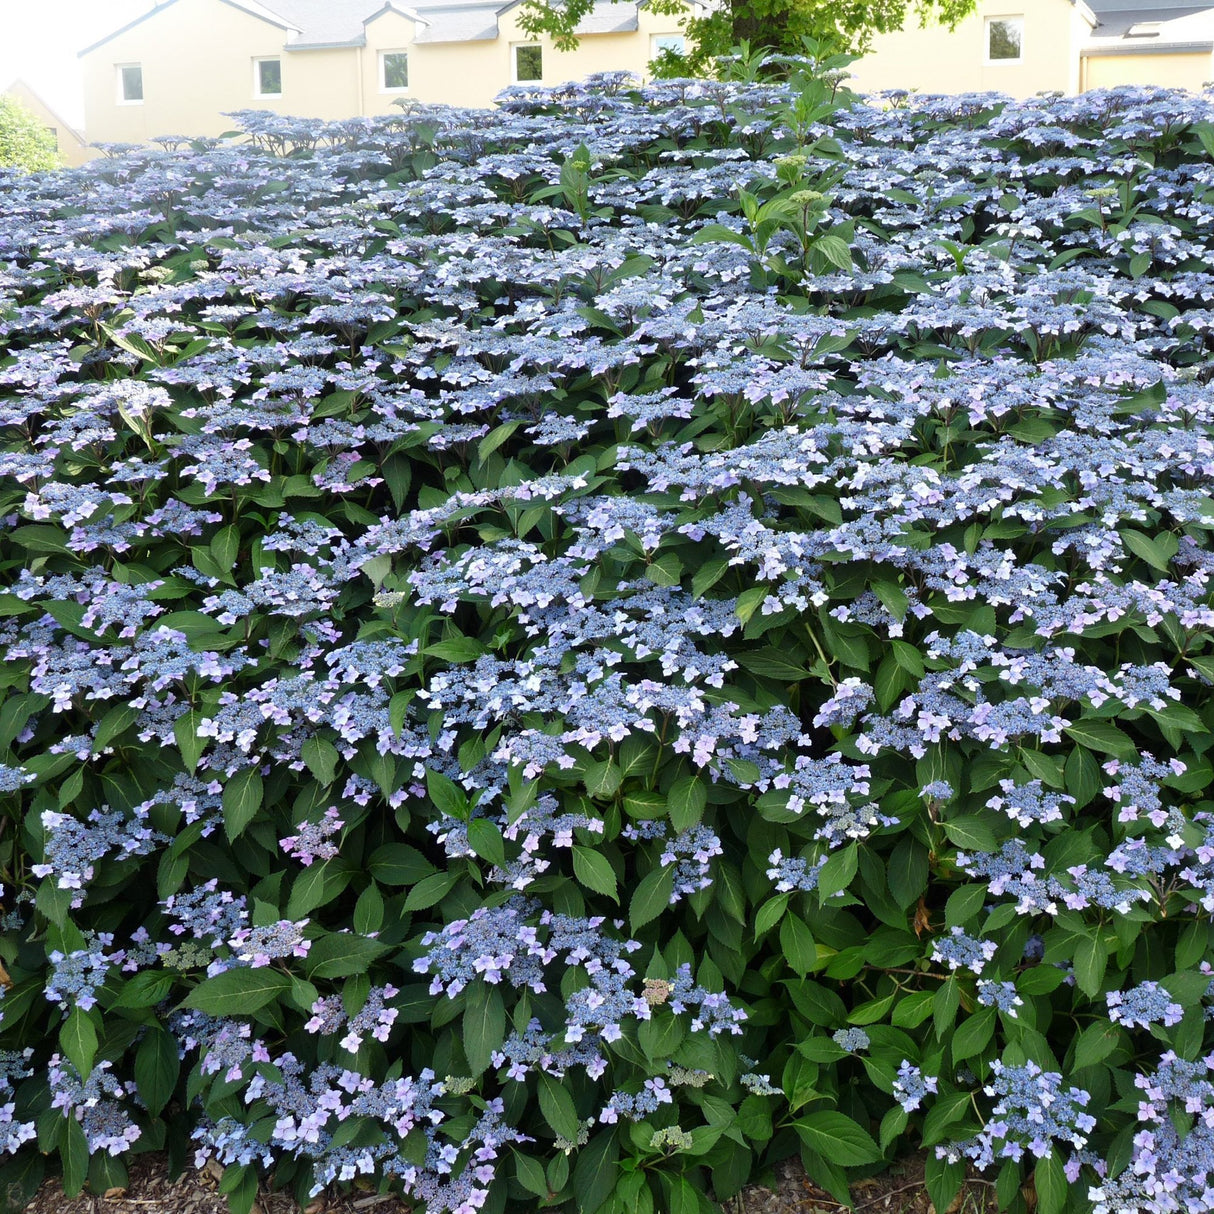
[
  {"x": 1103, "y": 737},
  {"x": 431, "y": 890},
  {"x": 242, "y": 796},
  {"x": 78, "y": 1040},
  {"x": 594, "y": 871},
  {"x": 652, "y": 896},
  {"x": 485, "y": 839},
  {"x": 320, "y": 756},
  {"x": 157, "y": 1067},
  {"x": 837, "y": 1137},
  {"x": 1049, "y": 1179},
  {"x": 556, "y": 1104},
  {"x": 484, "y": 1024},
  {"x": 238, "y": 992},
  {"x": 686, "y": 802}
]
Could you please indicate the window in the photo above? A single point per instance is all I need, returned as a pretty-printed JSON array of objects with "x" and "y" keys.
[
  {"x": 1004, "y": 38},
  {"x": 528, "y": 62},
  {"x": 393, "y": 71},
  {"x": 267, "y": 77},
  {"x": 130, "y": 83},
  {"x": 673, "y": 43}
]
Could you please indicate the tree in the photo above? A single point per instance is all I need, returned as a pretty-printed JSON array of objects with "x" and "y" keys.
[
  {"x": 780, "y": 25},
  {"x": 24, "y": 142}
]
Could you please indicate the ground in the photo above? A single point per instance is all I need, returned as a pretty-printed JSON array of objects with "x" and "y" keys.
[{"x": 150, "y": 1191}]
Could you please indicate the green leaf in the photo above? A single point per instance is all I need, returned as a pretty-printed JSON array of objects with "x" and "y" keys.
[
  {"x": 157, "y": 1068},
  {"x": 973, "y": 833},
  {"x": 837, "y": 873},
  {"x": 836, "y": 1137},
  {"x": 242, "y": 797},
  {"x": 398, "y": 864},
  {"x": 558, "y": 1108},
  {"x": 945, "y": 1003},
  {"x": 237, "y": 992},
  {"x": 947, "y": 1110},
  {"x": 686, "y": 802},
  {"x": 1096, "y": 1043},
  {"x": 369, "y": 911},
  {"x": 835, "y": 249},
  {"x": 973, "y": 1034},
  {"x": 595, "y": 1172},
  {"x": 1103, "y": 737},
  {"x": 320, "y": 756},
  {"x": 191, "y": 746},
  {"x": 145, "y": 989},
  {"x": 530, "y": 1174},
  {"x": 770, "y": 663},
  {"x": 78, "y": 1040},
  {"x": 1091, "y": 961},
  {"x": 665, "y": 570},
  {"x": 484, "y": 1024},
  {"x": 906, "y": 872},
  {"x": 1082, "y": 773},
  {"x": 707, "y": 575},
  {"x": 943, "y": 1180},
  {"x": 769, "y": 914},
  {"x": 485, "y": 839},
  {"x": 446, "y": 795},
  {"x": 115, "y": 722},
  {"x": 1050, "y": 1181},
  {"x": 75, "y": 1155},
  {"x": 661, "y": 1035},
  {"x": 603, "y": 779},
  {"x": 340, "y": 954},
  {"x": 431, "y": 890},
  {"x": 317, "y": 885},
  {"x": 964, "y": 905},
  {"x": 652, "y": 896},
  {"x": 594, "y": 871},
  {"x": 797, "y": 945}
]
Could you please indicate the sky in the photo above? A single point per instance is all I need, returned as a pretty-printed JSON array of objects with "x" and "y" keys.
[{"x": 39, "y": 40}]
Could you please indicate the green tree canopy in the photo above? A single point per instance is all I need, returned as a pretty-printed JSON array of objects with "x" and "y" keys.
[
  {"x": 781, "y": 25},
  {"x": 24, "y": 142}
]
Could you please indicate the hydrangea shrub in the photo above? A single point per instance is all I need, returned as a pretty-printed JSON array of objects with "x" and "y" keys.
[{"x": 555, "y": 658}]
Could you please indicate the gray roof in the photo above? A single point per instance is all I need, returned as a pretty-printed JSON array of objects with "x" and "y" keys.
[
  {"x": 1116, "y": 17},
  {"x": 457, "y": 22},
  {"x": 322, "y": 23}
]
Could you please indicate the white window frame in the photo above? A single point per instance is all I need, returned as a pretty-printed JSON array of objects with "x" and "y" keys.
[
  {"x": 257, "y": 62},
  {"x": 656, "y": 47},
  {"x": 515, "y": 47},
  {"x": 1007, "y": 18},
  {"x": 383, "y": 72},
  {"x": 120, "y": 84}
]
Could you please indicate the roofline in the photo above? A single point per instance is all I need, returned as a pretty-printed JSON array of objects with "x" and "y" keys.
[
  {"x": 130, "y": 25},
  {"x": 326, "y": 46},
  {"x": 458, "y": 41},
  {"x": 1152, "y": 48},
  {"x": 79, "y": 134},
  {"x": 390, "y": 6}
]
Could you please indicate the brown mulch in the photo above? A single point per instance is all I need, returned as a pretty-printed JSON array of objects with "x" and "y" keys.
[{"x": 150, "y": 1191}]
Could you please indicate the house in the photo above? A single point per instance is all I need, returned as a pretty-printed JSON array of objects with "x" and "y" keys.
[
  {"x": 179, "y": 67},
  {"x": 1023, "y": 47},
  {"x": 69, "y": 142}
]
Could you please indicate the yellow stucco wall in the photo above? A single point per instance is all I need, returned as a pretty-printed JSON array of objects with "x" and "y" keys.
[
  {"x": 1179, "y": 71},
  {"x": 72, "y": 148},
  {"x": 937, "y": 60},
  {"x": 197, "y": 59}
]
